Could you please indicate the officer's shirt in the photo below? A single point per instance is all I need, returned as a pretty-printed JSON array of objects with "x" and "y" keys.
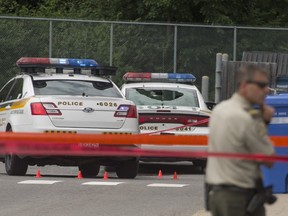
[{"x": 237, "y": 128}]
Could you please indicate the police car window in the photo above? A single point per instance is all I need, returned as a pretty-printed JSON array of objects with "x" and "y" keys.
[
  {"x": 16, "y": 91},
  {"x": 156, "y": 96},
  {"x": 75, "y": 87},
  {"x": 5, "y": 91}
]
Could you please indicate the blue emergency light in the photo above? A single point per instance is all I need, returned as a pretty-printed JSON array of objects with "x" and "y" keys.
[
  {"x": 147, "y": 76},
  {"x": 36, "y": 65},
  {"x": 56, "y": 62}
]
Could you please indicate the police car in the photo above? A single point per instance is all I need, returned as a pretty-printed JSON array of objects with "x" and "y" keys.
[
  {"x": 168, "y": 103},
  {"x": 52, "y": 95}
]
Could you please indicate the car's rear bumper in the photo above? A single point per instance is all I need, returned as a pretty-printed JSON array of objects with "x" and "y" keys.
[
  {"x": 173, "y": 151},
  {"x": 75, "y": 160},
  {"x": 52, "y": 129}
]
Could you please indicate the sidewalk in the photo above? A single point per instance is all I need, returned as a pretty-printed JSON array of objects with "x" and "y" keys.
[{"x": 280, "y": 208}]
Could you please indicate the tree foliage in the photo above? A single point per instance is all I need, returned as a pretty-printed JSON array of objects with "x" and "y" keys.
[
  {"x": 229, "y": 12},
  {"x": 141, "y": 47}
]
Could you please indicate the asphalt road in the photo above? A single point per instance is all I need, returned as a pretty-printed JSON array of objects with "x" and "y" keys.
[{"x": 59, "y": 192}]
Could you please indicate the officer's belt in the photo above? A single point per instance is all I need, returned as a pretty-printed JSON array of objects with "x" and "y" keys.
[{"x": 232, "y": 188}]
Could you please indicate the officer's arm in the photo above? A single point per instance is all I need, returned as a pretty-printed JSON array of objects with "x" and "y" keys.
[
  {"x": 257, "y": 141},
  {"x": 268, "y": 164},
  {"x": 267, "y": 113}
]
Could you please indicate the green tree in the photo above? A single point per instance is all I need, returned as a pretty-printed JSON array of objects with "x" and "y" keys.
[
  {"x": 142, "y": 47},
  {"x": 20, "y": 38},
  {"x": 228, "y": 12}
]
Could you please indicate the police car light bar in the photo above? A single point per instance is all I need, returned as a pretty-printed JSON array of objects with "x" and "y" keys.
[
  {"x": 34, "y": 65},
  {"x": 104, "y": 71},
  {"x": 56, "y": 62},
  {"x": 147, "y": 76}
]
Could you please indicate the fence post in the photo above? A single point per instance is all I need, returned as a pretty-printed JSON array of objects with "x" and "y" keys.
[
  {"x": 175, "y": 50},
  {"x": 218, "y": 77},
  {"x": 50, "y": 39},
  {"x": 225, "y": 57},
  {"x": 111, "y": 45},
  {"x": 205, "y": 88},
  {"x": 235, "y": 44}
]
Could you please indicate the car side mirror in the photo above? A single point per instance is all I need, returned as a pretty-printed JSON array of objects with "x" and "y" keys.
[{"x": 210, "y": 105}]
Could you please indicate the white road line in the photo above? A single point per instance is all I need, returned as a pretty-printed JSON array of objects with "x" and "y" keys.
[
  {"x": 167, "y": 185},
  {"x": 103, "y": 183},
  {"x": 48, "y": 182}
]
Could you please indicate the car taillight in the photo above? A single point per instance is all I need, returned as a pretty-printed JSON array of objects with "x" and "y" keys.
[
  {"x": 132, "y": 112},
  {"x": 44, "y": 109},
  {"x": 128, "y": 111},
  {"x": 174, "y": 119},
  {"x": 196, "y": 119},
  {"x": 142, "y": 119},
  {"x": 37, "y": 109}
]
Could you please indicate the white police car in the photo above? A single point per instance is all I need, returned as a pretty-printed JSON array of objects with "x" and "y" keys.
[
  {"x": 168, "y": 103},
  {"x": 66, "y": 102}
]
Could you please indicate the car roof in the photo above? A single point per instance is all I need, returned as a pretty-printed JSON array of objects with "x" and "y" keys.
[
  {"x": 64, "y": 77},
  {"x": 158, "y": 84}
]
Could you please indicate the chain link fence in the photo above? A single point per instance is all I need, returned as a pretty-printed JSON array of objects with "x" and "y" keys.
[{"x": 132, "y": 46}]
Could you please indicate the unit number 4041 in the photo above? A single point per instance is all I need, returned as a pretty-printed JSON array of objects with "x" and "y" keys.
[{"x": 184, "y": 129}]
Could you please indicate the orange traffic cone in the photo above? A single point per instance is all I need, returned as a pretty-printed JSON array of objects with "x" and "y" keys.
[
  {"x": 160, "y": 174},
  {"x": 105, "y": 175},
  {"x": 38, "y": 174},
  {"x": 175, "y": 176},
  {"x": 79, "y": 176}
]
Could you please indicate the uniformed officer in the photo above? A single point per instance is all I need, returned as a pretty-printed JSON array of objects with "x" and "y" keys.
[{"x": 237, "y": 127}]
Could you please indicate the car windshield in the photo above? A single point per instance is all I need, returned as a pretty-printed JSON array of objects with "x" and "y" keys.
[
  {"x": 162, "y": 96},
  {"x": 75, "y": 87}
]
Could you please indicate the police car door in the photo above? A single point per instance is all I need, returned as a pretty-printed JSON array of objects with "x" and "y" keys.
[{"x": 5, "y": 105}]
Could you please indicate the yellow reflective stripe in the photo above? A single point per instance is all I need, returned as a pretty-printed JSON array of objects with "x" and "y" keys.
[
  {"x": 126, "y": 133},
  {"x": 16, "y": 105},
  {"x": 19, "y": 104},
  {"x": 62, "y": 132}
]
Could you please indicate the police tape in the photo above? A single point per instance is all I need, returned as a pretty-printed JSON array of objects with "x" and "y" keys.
[
  {"x": 116, "y": 139},
  {"x": 117, "y": 145},
  {"x": 179, "y": 127},
  {"x": 107, "y": 139},
  {"x": 124, "y": 151}
]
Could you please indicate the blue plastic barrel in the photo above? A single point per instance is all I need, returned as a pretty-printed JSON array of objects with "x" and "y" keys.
[{"x": 277, "y": 175}]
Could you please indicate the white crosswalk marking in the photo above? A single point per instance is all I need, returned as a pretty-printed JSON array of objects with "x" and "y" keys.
[
  {"x": 102, "y": 183},
  {"x": 48, "y": 182},
  {"x": 167, "y": 185}
]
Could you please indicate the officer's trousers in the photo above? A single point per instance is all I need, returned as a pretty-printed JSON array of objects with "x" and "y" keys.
[{"x": 231, "y": 203}]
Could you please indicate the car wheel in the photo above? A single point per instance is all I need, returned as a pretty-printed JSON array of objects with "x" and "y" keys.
[
  {"x": 128, "y": 169},
  {"x": 15, "y": 165},
  {"x": 89, "y": 170}
]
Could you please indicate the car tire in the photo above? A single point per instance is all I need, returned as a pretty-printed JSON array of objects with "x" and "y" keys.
[
  {"x": 128, "y": 169},
  {"x": 89, "y": 170},
  {"x": 15, "y": 165}
]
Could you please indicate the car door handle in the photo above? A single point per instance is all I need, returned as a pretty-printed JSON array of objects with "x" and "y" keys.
[{"x": 8, "y": 107}]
